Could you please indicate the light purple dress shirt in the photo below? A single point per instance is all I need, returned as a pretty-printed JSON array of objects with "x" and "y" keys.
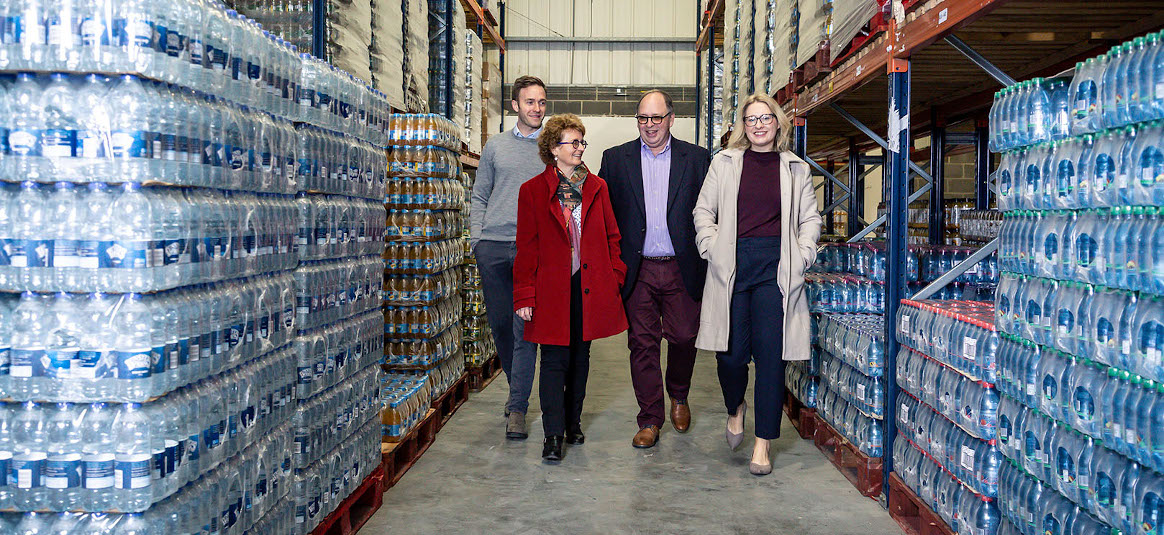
[{"x": 656, "y": 178}]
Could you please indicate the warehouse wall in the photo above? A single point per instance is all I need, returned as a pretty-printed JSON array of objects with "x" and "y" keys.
[
  {"x": 611, "y": 63},
  {"x": 605, "y": 132}
]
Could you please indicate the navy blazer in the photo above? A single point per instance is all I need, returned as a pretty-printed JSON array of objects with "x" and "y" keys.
[{"x": 622, "y": 170}]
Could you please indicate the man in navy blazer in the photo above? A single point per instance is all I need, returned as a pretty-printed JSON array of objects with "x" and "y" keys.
[{"x": 654, "y": 182}]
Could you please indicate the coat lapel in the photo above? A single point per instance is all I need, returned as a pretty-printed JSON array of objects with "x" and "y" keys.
[
  {"x": 551, "y": 178},
  {"x": 635, "y": 162},
  {"x": 678, "y": 166},
  {"x": 589, "y": 192}
]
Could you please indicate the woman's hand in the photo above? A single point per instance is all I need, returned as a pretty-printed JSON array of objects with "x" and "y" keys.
[{"x": 525, "y": 313}]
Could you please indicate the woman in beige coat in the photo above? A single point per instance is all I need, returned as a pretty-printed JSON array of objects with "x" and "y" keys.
[{"x": 756, "y": 224}]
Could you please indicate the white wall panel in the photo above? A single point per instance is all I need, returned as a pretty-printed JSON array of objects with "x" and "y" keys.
[
  {"x": 602, "y": 63},
  {"x": 605, "y": 132}
]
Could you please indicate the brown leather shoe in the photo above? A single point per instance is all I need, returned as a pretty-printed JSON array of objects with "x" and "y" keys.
[
  {"x": 646, "y": 437},
  {"x": 680, "y": 415}
]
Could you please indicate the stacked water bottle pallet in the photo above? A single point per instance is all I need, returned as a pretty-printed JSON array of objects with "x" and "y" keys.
[
  {"x": 851, "y": 397},
  {"x": 946, "y": 453},
  {"x": 422, "y": 304},
  {"x": 1080, "y": 300},
  {"x": 802, "y": 378},
  {"x": 153, "y": 376},
  {"x": 480, "y": 350},
  {"x": 850, "y": 277}
]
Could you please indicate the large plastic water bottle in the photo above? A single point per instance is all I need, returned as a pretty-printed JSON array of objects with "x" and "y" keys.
[
  {"x": 1140, "y": 78},
  {"x": 29, "y": 331},
  {"x": 97, "y": 457},
  {"x": 32, "y": 251},
  {"x": 132, "y": 470},
  {"x": 62, "y": 472},
  {"x": 62, "y": 347},
  {"x": 128, "y": 254},
  {"x": 28, "y": 460},
  {"x": 133, "y": 346},
  {"x": 1085, "y": 98}
]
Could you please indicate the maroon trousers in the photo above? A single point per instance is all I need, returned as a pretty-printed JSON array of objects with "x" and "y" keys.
[{"x": 659, "y": 307}]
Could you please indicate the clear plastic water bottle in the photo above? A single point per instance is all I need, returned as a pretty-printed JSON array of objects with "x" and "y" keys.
[
  {"x": 29, "y": 455},
  {"x": 132, "y": 470},
  {"x": 62, "y": 473},
  {"x": 133, "y": 346},
  {"x": 32, "y": 253},
  {"x": 30, "y": 326}
]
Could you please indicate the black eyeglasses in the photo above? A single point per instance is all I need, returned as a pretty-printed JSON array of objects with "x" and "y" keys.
[
  {"x": 764, "y": 119},
  {"x": 653, "y": 119},
  {"x": 577, "y": 143}
]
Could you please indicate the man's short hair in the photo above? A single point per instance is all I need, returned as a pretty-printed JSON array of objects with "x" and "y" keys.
[
  {"x": 666, "y": 99},
  {"x": 524, "y": 82}
]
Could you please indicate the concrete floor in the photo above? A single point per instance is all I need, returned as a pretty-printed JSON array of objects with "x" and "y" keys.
[{"x": 472, "y": 480}]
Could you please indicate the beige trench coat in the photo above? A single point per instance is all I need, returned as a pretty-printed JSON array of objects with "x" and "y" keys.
[{"x": 715, "y": 236}]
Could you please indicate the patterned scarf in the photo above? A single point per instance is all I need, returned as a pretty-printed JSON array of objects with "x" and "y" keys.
[{"x": 570, "y": 197}]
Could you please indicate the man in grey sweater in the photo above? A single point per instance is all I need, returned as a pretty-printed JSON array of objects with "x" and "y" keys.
[{"x": 508, "y": 160}]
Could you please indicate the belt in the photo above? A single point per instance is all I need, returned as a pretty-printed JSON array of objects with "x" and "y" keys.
[{"x": 659, "y": 258}]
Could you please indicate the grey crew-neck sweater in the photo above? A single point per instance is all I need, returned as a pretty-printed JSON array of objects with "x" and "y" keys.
[{"x": 507, "y": 162}]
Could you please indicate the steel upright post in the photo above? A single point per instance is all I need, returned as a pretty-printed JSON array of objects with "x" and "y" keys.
[
  {"x": 856, "y": 189},
  {"x": 981, "y": 166},
  {"x": 937, "y": 221},
  {"x": 897, "y": 158}
]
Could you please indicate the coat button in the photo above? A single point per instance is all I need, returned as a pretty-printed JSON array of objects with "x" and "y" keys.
[
  {"x": 584, "y": 266},
  {"x": 586, "y": 291}
]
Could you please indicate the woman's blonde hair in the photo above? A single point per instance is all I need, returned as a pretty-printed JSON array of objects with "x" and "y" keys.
[
  {"x": 739, "y": 139},
  {"x": 552, "y": 134}
]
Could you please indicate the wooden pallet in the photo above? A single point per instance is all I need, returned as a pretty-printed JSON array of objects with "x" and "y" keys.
[
  {"x": 357, "y": 508},
  {"x": 816, "y": 68},
  {"x": 862, "y": 471},
  {"x": 399, "y": 456},
  {"x": 451, "y": 400},
  {"x": 802, "y": 418},
  {"x": 914, "y": 516},
  {"x": 480, "y": 377}
]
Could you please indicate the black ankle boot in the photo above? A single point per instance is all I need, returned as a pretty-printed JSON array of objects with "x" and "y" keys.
[
  {"x": 574, "y": 435},
  {"x": 552, "y": 451}
]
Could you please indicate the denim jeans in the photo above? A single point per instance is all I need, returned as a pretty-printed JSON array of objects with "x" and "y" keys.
[{"x": 518, "y": 357}]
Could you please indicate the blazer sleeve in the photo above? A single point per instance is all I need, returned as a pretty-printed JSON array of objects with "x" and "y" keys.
[
  {"x": 525, "y": 262},
  {"x": 706, "y": 213},
  {"x": 810, "y": 220},
  {"x": 613, "y": 237}
]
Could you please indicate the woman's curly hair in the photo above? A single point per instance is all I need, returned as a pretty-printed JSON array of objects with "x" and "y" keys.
[{"x": 552, "y": 134}]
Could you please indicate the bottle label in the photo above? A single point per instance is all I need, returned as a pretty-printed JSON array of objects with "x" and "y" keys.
[
  {"x": 97, "y": 471},
  {"x": 130, "y": 144},
  {"x": 90, "y": 365},
  {"x": 175, "y": 43},
  {"x": 36, "y": 253},
  {"x": 94, "y": 33},
  {"x": 65, "y": 253},
  {"x": 58, "y": 143},
  {"x": 28, "y": 470},
  {"x": 193, "y": 452},
  {"x": 90, "y": 144},
  {"x": 5, "y": 459},
  {"x": 25, "y": 362},
  {"x": 159, "y": 360},
  {"x": 123, "y": 255},
  {"x": 133, "y": 364},
  {"x": 132, "y": 471},
  {"x": 5, "y": 368},
  {"x": 59, "y": 363},
  {"x": 63, "y": 471},
  {"x": 24, "y": 142}
]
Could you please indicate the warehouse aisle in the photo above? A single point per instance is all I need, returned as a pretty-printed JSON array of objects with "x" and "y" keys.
[{"x": 474, "y": 481}]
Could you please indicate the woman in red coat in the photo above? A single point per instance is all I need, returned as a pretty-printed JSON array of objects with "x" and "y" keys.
[{"x": 567, "y": 275}]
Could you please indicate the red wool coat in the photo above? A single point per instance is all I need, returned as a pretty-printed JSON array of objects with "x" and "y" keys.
[{"x": 541, "y": 270}]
